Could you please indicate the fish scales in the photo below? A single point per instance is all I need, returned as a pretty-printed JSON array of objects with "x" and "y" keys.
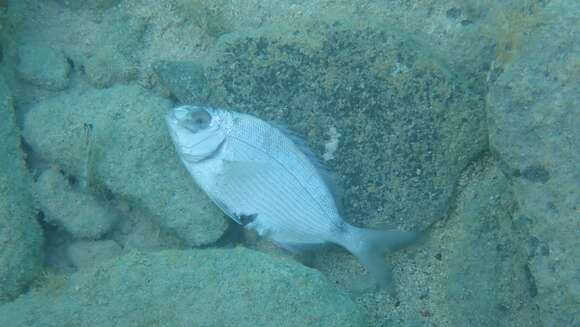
[
  {"x": 252, "y": 138},
  {"x": 279, "y": 147},
  {"x": 291, "y": 195},
  {"x": 264, "y": 179}
]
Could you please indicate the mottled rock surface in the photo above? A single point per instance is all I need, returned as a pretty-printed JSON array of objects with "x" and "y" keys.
[
  {"x": 188, "y": 288},
  {"x": 404, "y": 125},
  {"x": 106, "y": 67},
  {"x": 534, "y": 113},
  {"x": 183, "y": 80},
  {"x": 20, "y": 234}
]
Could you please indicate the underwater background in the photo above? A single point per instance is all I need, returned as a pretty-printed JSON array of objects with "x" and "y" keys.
[{"x": 459, "y": 118}]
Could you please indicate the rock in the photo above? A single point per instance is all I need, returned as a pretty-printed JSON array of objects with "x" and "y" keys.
[
  {"x": 401, "y": 126},
  {"x": 43, "y": 66},
  {"x": 183, "y": 80},
  {"x": 84, "y": 254},
  {"x": 484, "y": 258},
  {"x": 138, "y": 231},
  {"x": 470, "y": 270},
  {"x": 107, "y": 67},
  {"x": 20, "y": 234},
  {"x": 133, "y": 155},
  {"x": 534, "y": 113},
  {"x": 78, "y": 212},
  {"x": 189, "y": 288},
  {"x": 89, "y": 4},
  {"x": 56, "y": 248}
]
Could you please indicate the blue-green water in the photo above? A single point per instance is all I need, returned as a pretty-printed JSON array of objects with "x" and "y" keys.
[{"x": 454, "y": 119}]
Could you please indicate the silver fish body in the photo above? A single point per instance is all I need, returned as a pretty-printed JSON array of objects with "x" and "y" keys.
[{"x": 262, "y": 178}]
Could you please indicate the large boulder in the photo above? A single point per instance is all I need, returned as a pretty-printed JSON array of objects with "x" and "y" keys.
[
  {"x": 20, "y": 234},
  {"x": 534, "y": 112},
  {"x": 131, "y": 155},
  {"x": 235, "y": 287},
  {"x": 375, "y": 102}
]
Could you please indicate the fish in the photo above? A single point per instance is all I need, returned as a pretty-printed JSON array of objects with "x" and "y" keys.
[{"x": 266, "y": 179}]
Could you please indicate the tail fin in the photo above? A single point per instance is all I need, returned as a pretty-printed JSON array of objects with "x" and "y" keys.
[{"x": 370, "y": 245}]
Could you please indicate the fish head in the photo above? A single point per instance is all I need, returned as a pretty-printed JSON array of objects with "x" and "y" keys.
[{"x": 197, "y": 132}]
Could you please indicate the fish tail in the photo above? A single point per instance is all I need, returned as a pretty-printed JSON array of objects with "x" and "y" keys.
[{"x": 370, "y": 245}]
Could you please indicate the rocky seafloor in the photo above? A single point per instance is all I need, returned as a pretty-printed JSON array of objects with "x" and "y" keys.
[{"x": 459, "y": 119}]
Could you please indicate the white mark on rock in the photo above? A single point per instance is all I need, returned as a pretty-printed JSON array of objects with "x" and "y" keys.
[{"x": 331, "y": 146}]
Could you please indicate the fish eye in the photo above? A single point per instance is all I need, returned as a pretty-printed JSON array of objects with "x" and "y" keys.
[{"x": 198, "y": 120}]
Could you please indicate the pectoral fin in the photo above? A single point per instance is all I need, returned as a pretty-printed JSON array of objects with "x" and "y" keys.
[{"x": 244, "y": 219}]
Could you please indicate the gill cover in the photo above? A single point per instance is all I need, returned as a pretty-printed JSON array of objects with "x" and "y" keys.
[{"x": 195, "y": 131}]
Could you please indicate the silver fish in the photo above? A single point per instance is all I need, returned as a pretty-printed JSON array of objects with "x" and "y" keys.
[{"x": 266, "y": 180}]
